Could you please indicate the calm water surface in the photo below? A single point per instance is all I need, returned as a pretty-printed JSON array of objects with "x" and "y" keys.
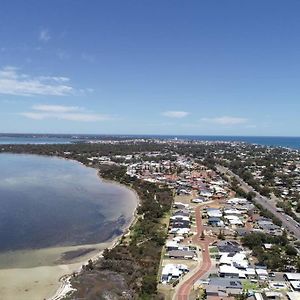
[
  {"x": 46, "y": 202},
  {"x": 6, "y": 140}
]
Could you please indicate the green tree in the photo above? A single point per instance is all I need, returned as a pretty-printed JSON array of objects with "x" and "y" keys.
[
  {"x": 202, "y": 237},
  {"x": 290, "y": 250},
  {"x": 221, "y": 235},
  {"x": 149, "y": 284}
]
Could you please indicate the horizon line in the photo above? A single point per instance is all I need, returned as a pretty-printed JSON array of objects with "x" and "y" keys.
[{"x": 149, "y": 135}]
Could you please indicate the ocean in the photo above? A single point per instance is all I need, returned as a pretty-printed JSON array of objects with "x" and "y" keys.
[{"x": 287, "y": 142}]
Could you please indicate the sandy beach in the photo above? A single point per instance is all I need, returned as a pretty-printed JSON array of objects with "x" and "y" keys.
[
  {"x": 39, "y": 282},
  {"x": 45, "y": 281},
  {"x": 32, "y": 284}
]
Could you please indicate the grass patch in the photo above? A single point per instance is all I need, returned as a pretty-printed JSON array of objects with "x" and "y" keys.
[
  {"x": 213, "y": 250},
  {"x": 248, "y": 285}
]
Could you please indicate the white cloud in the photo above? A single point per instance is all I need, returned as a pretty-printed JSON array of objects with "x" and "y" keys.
[
  {"x": 55, "y": 78},
  {"x": 83, "y": 117},
  {"x": 226, "y": 120},
  {"x": 175, "y": 114},
  {"x": 61, "y": 112},
  {"x": 12, "y": 82},
  {"x": 44, "y": 35},
  {"x": 56, "y": 108}
]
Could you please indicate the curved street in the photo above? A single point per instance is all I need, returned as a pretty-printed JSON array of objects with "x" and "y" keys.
[{"x": 187, "y": 285}]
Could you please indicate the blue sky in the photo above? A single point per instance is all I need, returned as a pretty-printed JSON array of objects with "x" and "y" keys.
[{"x": 153, "y": 67}]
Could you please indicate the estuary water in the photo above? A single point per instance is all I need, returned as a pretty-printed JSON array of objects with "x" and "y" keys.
[
  {"x": 55, "y": 214},
  {"x": 23, "y": 140},
  {"x": 47, "y": 202}
]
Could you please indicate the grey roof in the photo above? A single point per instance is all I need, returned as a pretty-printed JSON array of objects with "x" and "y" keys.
[
  {"x": 226, "y": 243},
  {"x": 228, "y": 246},
  {"x": 181, "y": 224},
  {"x": 242, "y": 231},
  {"x": 227, "y": 283},
  {"x": 214, "y": 219},
  {"x": 182, "y": 212},
  {"x": 181, "y": 253}
]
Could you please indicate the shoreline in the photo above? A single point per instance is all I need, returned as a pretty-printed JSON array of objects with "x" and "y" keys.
[
  {"x": 65, "y": 281},
  {"x": 52, "y": 282}
]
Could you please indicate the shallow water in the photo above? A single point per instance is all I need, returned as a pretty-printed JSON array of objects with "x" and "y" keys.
[
  {"x": 48, "y": 207},
  {"x": 47, "y": 202}
]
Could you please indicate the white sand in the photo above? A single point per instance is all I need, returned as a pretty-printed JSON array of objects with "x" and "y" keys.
[
  {"x": 32, "y": 284},
  {"x": 38, "y": 282}
]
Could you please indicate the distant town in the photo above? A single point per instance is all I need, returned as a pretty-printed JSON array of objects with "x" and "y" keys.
[{"x": 216, "y": 220}]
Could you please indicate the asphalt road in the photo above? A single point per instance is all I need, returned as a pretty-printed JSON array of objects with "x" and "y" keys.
[
  {"x": 187, "y": 285},
  {"x": 287, "y": 222}
]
